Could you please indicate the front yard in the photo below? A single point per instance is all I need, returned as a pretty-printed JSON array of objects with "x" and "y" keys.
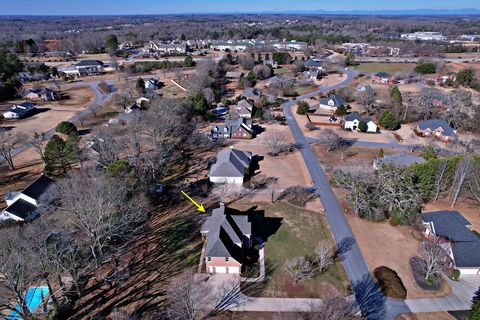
[{"x": 298, "y": 235}]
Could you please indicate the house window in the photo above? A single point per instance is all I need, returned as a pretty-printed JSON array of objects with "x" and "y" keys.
[
  {"x": 226, "y": 259},
  {"x": 209, "y": 259}
]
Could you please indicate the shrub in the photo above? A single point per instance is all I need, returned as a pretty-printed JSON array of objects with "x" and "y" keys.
[
  {"x": 310, "y": 126},
  {"x": 362, "y": 126},
  {"x": 302, "y": 108},
  {"x": 390, "y": 283},
  {"x": 341, "y": 111},
  {"x": 67, "y": 128},
  {"x": 466, "y": 77},
  {"x": 426, "y": 68},
  {"x": 456, "y": 274}
]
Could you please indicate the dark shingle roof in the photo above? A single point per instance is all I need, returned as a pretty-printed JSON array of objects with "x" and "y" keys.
[
  {"x": 382, "y": 75},
  {"x": 337, "y": 100},
  {"x": 86, "y": 63},
  {"x": 311, "y": 63},
  {"x": 21, "y": 209},
  {"x": 231, "y": 163},
  {"x": 434, "y": 124},
  {"x": 224, "y": 232},
  {"x": 353, "y": 116},
  {"x": 451, "y": 225},
  {"x": 38, "y": 187},
  {"x": 466, "y": 254}
]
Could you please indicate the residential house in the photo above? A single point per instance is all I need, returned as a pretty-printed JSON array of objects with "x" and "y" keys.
[
  {"x": 243, "y": 108},
  {"x": 461, "y": 244},
  {"x": 382, "y": 78},
  {"x": 22, "y": 205},
  {"x": 275, "y": 82},
  {"x": 90, "y": 67},
  {"x": 313, "y": 64},
  {"x": 234, "y": 76},
  {"x": 240, "y": 128},
  {"x": 232, "y": 166},
  {"x": 132, "y": 108},
  {"x": 252, "y": 94},
  {"x": 166, "y": 48},
  {"x": 151, "y": 84},
  {"x": 290, "y": 45},
  {"x": 44, "y": 94},
  {"x": 19, "y": 111},
  {"x": 437, "y": 128},
  {"x": 333, "y": 102},
  {"x": 228, "y": 237},
  {"x": 311, "y": 74},
  {"x": 401, "y": 160},
  {"x": 353, "y": 119}
]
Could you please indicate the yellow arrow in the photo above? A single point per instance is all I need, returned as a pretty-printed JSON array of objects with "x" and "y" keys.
[{"x": 199, "y": 206}]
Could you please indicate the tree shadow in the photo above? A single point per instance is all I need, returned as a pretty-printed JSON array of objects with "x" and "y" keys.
[
  {"x": 7, "y": 128},
  {"x": 370, "y": 300}
]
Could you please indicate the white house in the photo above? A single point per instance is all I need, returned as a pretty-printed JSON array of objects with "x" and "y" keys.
[
  {"x": 22, "y": 205},
  {"x": 232, "y": 166},
  {"x": 19, "y": 111},
  {"x": 243, "y": 108},
  {"x": 332, "y": 102},
  {"x": 353, "y": 119},
  {"x": 151, "y": 84}
]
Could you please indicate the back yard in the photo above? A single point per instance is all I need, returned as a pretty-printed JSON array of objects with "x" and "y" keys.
[
  {"x": 385, "y": 67},
  {"x": 298, "y": 235}
]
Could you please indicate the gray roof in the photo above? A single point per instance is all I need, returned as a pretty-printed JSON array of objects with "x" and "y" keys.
[
  {"x": 243, "y": 106},
  {"x": 38, "y": 187},
  {"x": 251, "y": 93},
  {"x": 225, "y": 232},
  {"x": 234, "y": 74},
  {"x": 89, "y": 63},
  {"x": 400, "y": 160},
  {"x": 434, "y": 124},
  {"x": 231, "y": 125},
  {"x": 21, "y": 208},
  {"x": 338, "y": 101},
  {"x": 353, "y": 116},
  {"x": 382, "y": 75},
  {"x": 312, "y": 63},
  {"x": 231, "y": 163},
  {"x": 453, "y": 226}
]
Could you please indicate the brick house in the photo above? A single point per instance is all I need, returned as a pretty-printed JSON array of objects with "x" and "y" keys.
[
  {"x": 240, "y": 128},
  {"x": 436, "y": 128},
  {"x": 228, "y": 236}
]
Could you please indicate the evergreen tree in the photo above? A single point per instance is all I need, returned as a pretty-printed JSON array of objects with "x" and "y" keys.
[
  {"x": 381, "y": 153},
  {"x": 60, "y": 154},
  {"x": 188, "y": 62},
  {"x": 140, "y": 85},
  {"x": 362, "y": 126},
  {"x": 302, "y": 108},
  {"x": 389, "y": 120},
  {"x": 396, "y": 95},
  {"x": 111, "y": 43},
  {"x": 200, "y": 103},
  {"x": 475, "y": 311},
  {"x": 341, "y": 111}
]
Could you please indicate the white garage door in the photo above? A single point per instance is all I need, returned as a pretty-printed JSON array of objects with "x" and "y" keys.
[
  {"x": 220, "y": 270},
  {"x": 233, "y": 269}
]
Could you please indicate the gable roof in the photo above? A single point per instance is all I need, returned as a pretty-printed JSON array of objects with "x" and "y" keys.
[
  {"x": 401, "y": 160},
  {"x": 451, "y": 225},
  {"x": 21, "y": 208},
  {"x": 234, "y": 74},
  {"x": 232, "y": 125},
  {"x": 353, "y": 116},
  {"x": 231, "y": 163},
  {"x": 251, "y": 93},
  {"x": 382, "y": 75},
  {"x": 88, "y": 63},
  {"x": 337, "y": 100},
  {"x": 225, "y": 232},
  {"x": 434, "y": 124},
  {"x": 38, "y": 187},
  {"x": 243, "y": 106}
]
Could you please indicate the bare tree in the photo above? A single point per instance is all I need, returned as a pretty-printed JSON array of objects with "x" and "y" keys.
[
  {"x": 299, "y": 269},
  {"x": 441, "y": 179},
  {"x": 474, "y": 183},
  {"x": 332, "y": 308},
  {"x": 330, "y": 139},
  {"x": 109, "y": 215},
  {"x": 433, "y": 254},
  {"x": 228, "y": 192},
  {"x": 58, "y": 82},
  {"x": 8, "y": 143},
  {"x": 324, "y": 255},
  {"x": 275, "y": 141},
  {"x": 460, "y": 179}
]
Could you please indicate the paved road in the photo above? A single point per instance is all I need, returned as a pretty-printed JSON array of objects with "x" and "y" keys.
[
  {"x": 354, "y": 264},
  {"x": 100, "y": 99}
]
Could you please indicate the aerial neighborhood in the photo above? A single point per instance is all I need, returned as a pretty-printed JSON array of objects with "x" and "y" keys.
[{"x": 279, "y": 165}]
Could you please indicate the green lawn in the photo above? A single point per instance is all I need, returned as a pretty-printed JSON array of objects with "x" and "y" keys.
[
  {"x": 390, "y": 68},
  {"x": 298, "y": 235},
  {"x": 281, "y": 70}
]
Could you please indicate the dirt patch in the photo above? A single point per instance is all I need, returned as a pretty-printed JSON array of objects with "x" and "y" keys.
[
  {"x": 426, "y": 316},
  {"x": 332, "y": 79},
  {"x": 385, "y": 245},
  {"x": 79, "y": 97}
]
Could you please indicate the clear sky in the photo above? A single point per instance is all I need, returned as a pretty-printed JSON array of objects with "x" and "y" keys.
[{"x": 99, "y": 7}]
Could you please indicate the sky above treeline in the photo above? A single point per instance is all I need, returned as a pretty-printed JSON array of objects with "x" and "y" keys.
[{"x": 126, "y": 7}]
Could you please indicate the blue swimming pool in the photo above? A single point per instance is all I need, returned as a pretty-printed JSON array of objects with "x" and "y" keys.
[{"x": 33, "y": 298}]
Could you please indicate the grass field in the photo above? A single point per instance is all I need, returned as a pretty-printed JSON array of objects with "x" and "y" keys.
[
  {"x": 298, "y": 235},
  {"x": 281, "y": 70},
  {"x": 390, "y": 68}
]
